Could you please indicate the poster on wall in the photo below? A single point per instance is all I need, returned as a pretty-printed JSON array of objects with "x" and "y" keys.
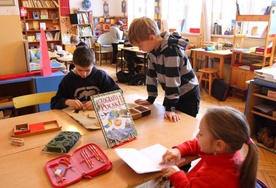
[
  {"x": 105, "y": 10},
  {"x": 124, "y": 6},
  {"x": 64, "y": 8}
]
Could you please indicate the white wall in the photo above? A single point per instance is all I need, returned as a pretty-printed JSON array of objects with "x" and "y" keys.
[{"x": 97, "y": 7}]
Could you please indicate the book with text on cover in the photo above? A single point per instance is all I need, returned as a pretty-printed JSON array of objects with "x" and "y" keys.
[
  {"x": 114, "y": 117},
  {"x": 145, "y": 160}
]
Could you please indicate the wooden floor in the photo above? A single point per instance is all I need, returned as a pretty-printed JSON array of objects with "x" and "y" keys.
[{"x": 267, "y": 160}]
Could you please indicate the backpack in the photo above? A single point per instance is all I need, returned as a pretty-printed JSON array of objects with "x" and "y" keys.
[
  {"x": 123, "y": 76},
  {"x": 138, "y": 79},
  {"x": 219, "y": 89}
]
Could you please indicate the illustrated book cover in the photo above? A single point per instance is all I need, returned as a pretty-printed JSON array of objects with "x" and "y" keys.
[
  {"x": 114, "y": 117},
  {"x": 145, "y": 160}
]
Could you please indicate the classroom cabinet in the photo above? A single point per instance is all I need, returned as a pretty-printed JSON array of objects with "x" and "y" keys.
[
  {"x": 258, "y": 95},
  {"x": 28, "y": 85},
  {"x": 250, "y": 59},
  {"x": 239, "y": 77}
]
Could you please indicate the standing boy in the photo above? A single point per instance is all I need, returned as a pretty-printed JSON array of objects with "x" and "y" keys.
[
  {"x": 168, "y": 65},
  {"x": 83, "y": 81}
]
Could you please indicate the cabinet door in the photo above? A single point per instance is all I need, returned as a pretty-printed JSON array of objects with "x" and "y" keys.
[{"x": 237, "y": 77}]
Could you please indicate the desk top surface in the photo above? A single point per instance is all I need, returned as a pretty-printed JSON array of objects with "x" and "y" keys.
[
  {"x": 25, "y": 166},
  {"x": 134, "y": 49},
  {"x": 219, "y": 52}
]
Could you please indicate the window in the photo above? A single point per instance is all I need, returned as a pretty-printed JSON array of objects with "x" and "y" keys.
[
  {"x": 222, "y": 16},
  {"x": 140, "y": 8},
  {"x": 181, "y": 14}
]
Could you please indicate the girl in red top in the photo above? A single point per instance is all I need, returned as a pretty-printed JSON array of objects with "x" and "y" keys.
[{"x": 222, "y": 133}]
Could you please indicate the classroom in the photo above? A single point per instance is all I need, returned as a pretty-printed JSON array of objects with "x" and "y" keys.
[{"x": 231, "y": 53}]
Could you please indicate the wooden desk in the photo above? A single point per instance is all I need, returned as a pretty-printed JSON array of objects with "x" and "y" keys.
[
  {"x": 139, "y": 53},
  {"x": 25, "y": 166},
  {"x": 221, "y": 54},
  {"x": 67, "y": 60}
]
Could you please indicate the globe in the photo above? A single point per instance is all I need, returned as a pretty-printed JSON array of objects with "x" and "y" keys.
[{"x": 86, "y": 4}]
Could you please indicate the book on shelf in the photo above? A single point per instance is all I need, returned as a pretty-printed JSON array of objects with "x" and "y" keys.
[
  {"x": 84, "y": 18},
  {"x": 37, "y": 36},
  {"x": 145, "y": 160},
  {"x": 55, "y": 3},
  {"x": 52, "y": 14},
  {"x": 85, "y": 31},
  {"x": 31, "y": 38},
  {"x": 57, "y": 36},
  {"x": 42, "y": 25},
  {"x": 36, "y": 25},
  {"x": 35, "y": 15},
  {"x": 49, "y": 36},
  {"x": 114, "y": 117},
  {"x": 44, "y": 14}
]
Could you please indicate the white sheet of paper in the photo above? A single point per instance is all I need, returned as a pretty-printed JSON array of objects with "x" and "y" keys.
[{"x": 145, "y": 160}]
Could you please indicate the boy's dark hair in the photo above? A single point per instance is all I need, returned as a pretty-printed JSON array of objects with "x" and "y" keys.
[{"x": 83, "y": 56}]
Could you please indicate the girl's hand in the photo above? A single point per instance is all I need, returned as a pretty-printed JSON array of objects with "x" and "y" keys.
[
  {"x": 171, "y": 155},
  {"x": 171, "y": 116},
  {"x": 169, "y": 171},
  {"x": 142, "y": 102}
]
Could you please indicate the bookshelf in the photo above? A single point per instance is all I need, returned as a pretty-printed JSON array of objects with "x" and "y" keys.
[
  {"x": 37, "y": 14},
  {"x": 83, "y": 20},
  {"x": 259, "y": 94},
  {"x": 102, "y": 24},
  {"x": 245, "y": 61}
]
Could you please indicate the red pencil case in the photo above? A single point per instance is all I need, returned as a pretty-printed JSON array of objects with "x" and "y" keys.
[{"x": 88, "y": 161}]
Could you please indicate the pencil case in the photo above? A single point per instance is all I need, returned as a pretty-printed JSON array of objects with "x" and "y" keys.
[
  {"x": 63, "y": 142},
  {"x": 86, "y": 162}
]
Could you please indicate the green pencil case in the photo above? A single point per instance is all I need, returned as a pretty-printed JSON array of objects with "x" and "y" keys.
[{"x": 63, "y": 142}]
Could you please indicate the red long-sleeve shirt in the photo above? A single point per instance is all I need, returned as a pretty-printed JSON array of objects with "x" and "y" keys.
[{"x": 214, "y": 171}]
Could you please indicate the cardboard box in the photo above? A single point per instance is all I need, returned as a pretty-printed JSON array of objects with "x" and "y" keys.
[
  {"x": 271, "y": 94},
  {"x": 274, "y": 114},
  {"x": 256, "y": 66}
]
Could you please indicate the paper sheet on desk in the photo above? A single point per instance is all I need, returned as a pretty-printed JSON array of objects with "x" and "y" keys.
[
  {"x": 87, "y": 119},
  {"x": 145, "y": 160}
]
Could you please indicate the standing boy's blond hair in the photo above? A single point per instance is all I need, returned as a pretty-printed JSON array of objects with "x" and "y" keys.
[{"x": 141, "y": 28}]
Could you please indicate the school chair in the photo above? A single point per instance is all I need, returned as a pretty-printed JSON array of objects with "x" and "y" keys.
[
  {"x": 32, "y": 100},
  {"x": 207, "y": 75},
  {"x": 103, "y": 46},
  {"x": 261, "y": 184}
]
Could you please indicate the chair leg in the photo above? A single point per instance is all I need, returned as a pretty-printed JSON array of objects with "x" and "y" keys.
[
  {"x": 200, "y": 79},
  {"x": 100, "y": 59},
  {"x": 210, "y": 83}
]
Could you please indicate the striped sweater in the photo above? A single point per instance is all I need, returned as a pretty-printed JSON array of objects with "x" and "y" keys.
[{"x": 170, "y": 66}]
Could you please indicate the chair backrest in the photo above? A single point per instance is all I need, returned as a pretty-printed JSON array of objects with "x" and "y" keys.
[
  {"x": 261, "y": 184},
  {"x": 32, "y": 99},
  {"x": 105, "y": 39}
]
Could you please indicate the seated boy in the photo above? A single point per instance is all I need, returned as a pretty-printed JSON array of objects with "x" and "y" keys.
[{"x": 83, "y": 81}]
